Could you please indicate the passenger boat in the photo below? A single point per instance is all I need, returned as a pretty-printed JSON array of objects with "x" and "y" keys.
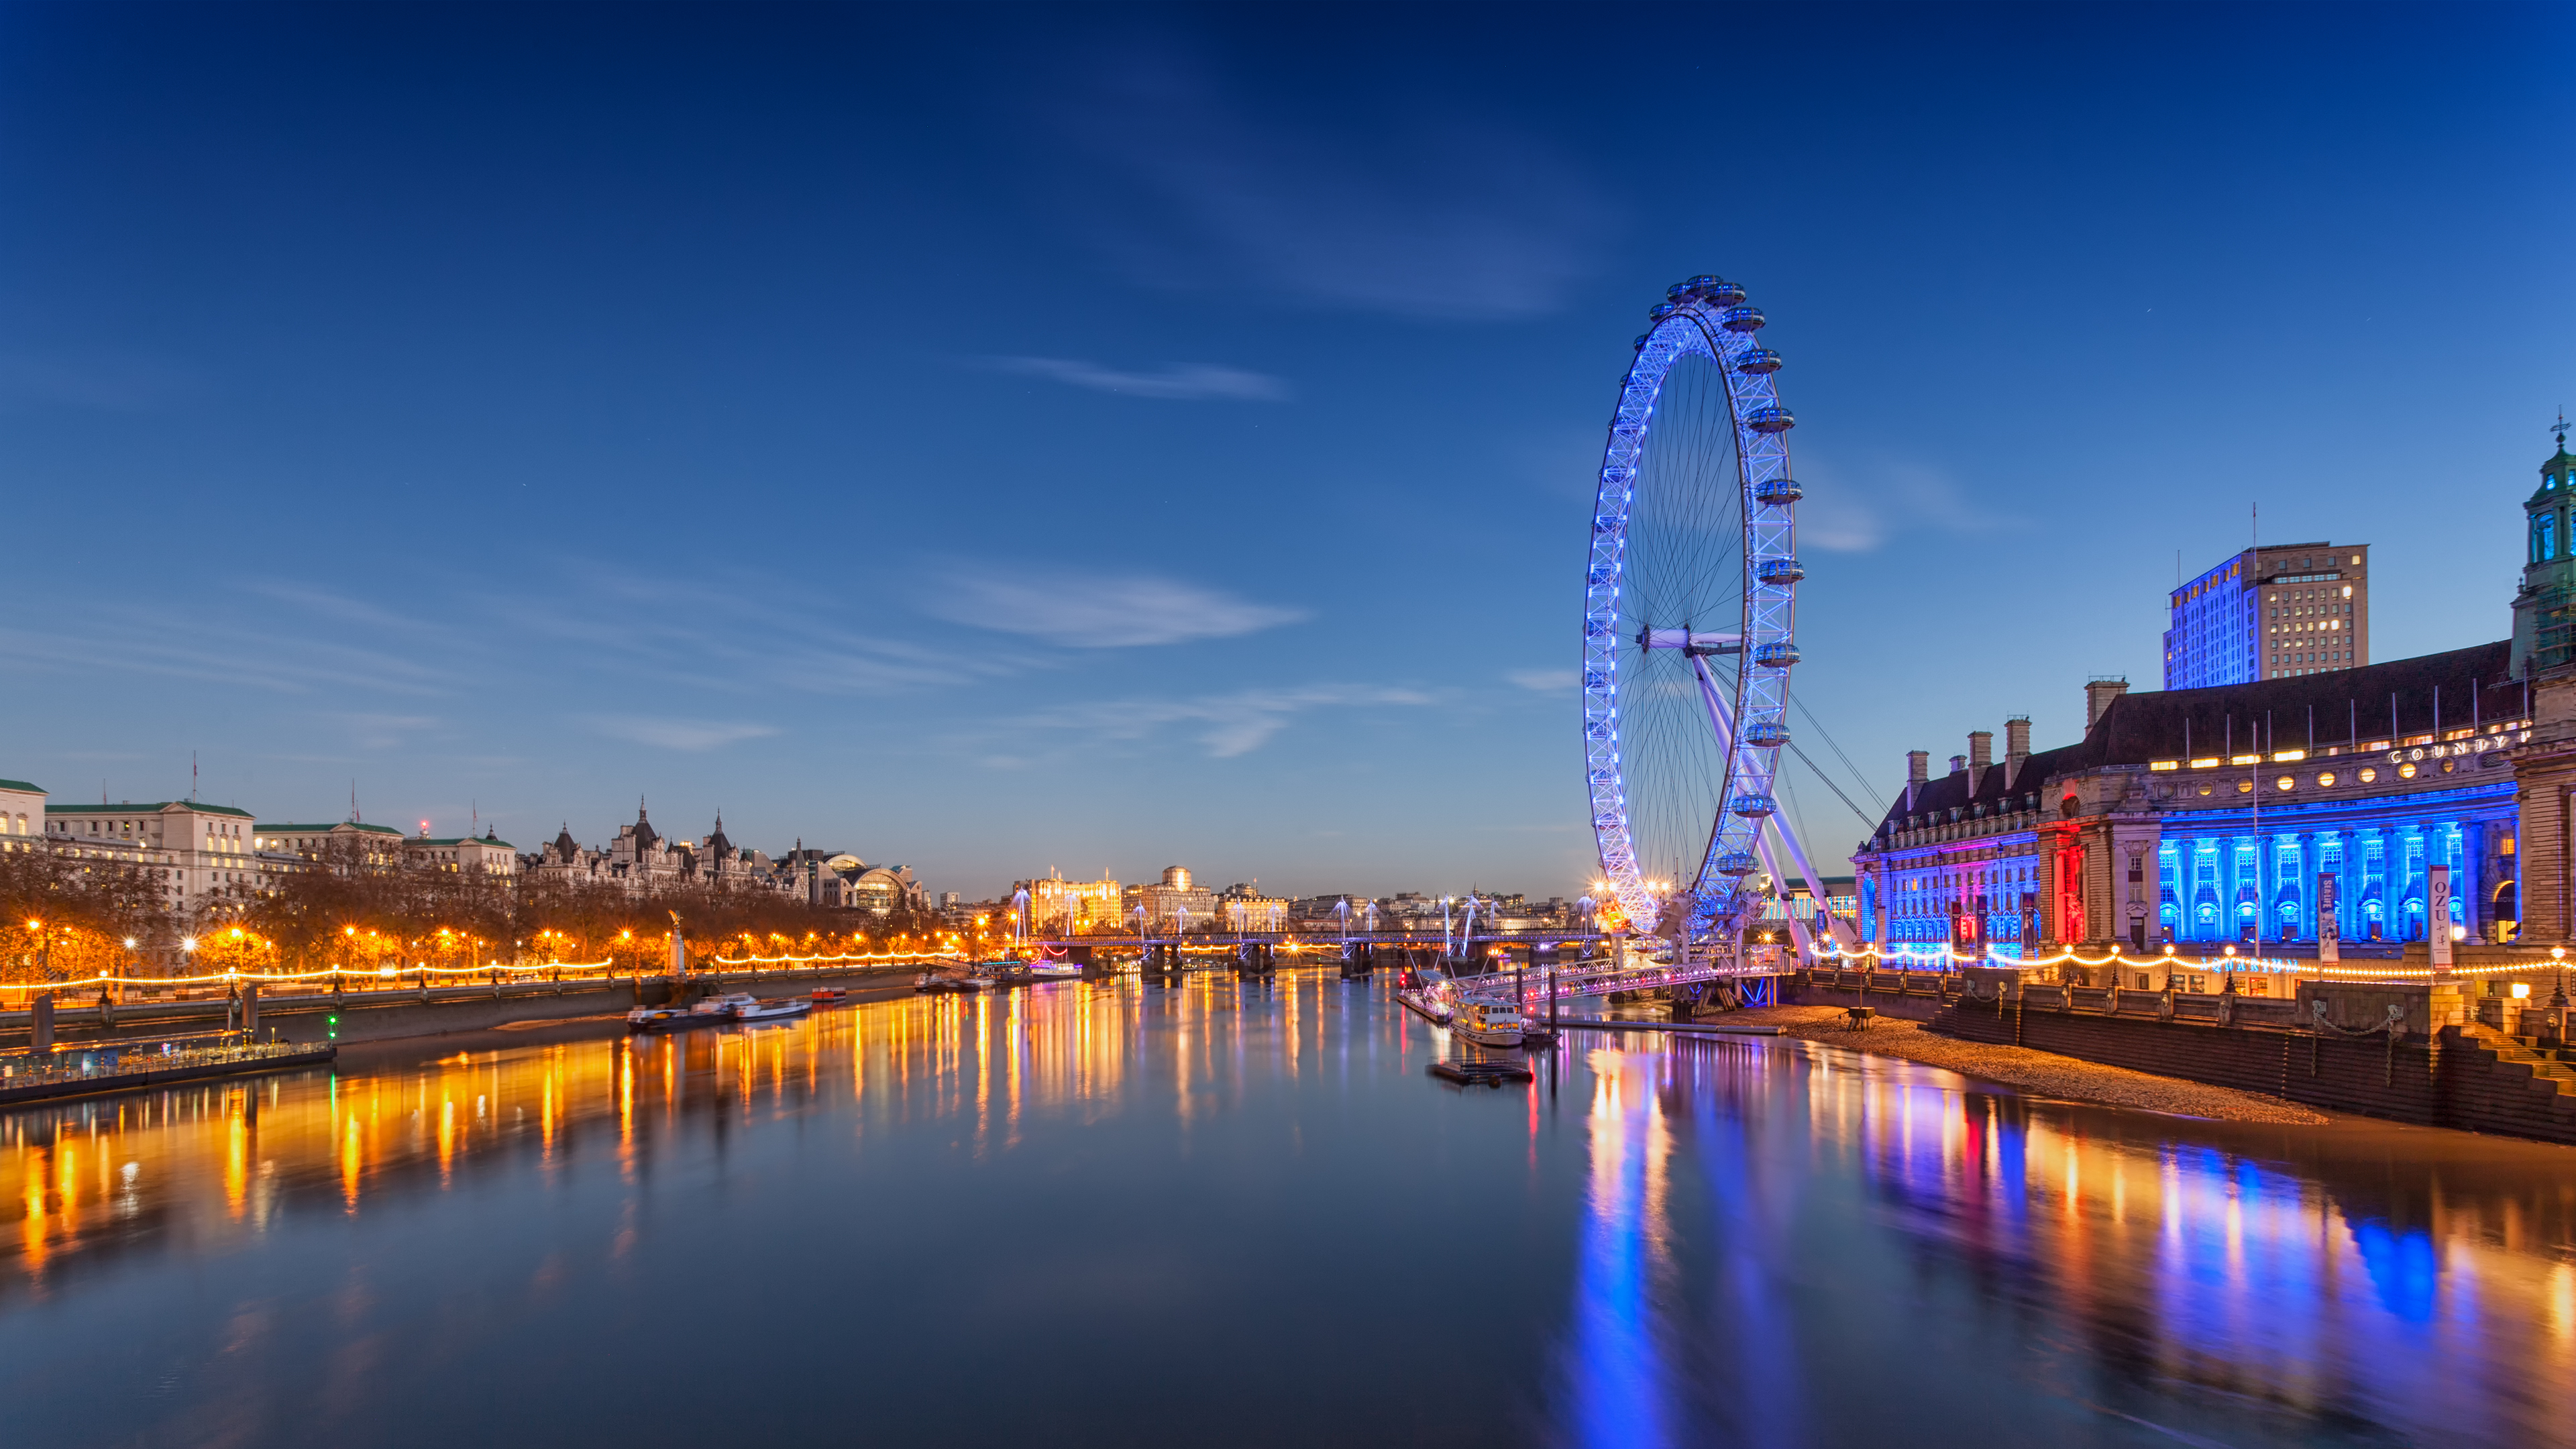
[
  {"x": 773, "y": 1009},
  {"x": 1493, "y": 1026},
  {"x": 1429, "y": 997},
  {"x": 656, "y": 1018},
  {"x": 1057, "y": 969},
  {"x": 723, "y": 1007},
  {"x": 942, "y": 981},
  {"x": 830, "y": 995}
]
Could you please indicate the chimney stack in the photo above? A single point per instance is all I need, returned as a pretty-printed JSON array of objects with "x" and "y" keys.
[
  {"x": 2099, "y": 691},
  {"x": 1958, "y": 764},
  {"x": 2016, "y": 747},
  {"x": 1981, "y": 754},
  {"x": 1918, "y": 769}
]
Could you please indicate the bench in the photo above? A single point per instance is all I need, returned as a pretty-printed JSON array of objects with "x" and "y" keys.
[{"x": 1858, "y": 1016}]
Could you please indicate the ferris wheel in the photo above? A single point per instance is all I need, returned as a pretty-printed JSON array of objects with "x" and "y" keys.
[{"x": 1690, "y": 602}]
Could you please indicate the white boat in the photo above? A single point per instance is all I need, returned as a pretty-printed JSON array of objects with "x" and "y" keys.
[
  {"x": 1493, "y": 1026},
  {"x": 778, "y": 1007},
  {"x": 1429, "y": 998},
  {"x": 721, "y": 1008}
]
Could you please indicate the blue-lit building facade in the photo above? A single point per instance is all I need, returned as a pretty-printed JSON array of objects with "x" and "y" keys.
[
  {"x": 2211, "y": 817},
  {"x": 2276, "y": 612}
]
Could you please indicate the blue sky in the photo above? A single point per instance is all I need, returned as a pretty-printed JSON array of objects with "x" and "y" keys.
[{"x": 999, "y": 439}]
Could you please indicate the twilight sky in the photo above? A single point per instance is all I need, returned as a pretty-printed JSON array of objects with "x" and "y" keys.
[{"x": 997, "y": 439}]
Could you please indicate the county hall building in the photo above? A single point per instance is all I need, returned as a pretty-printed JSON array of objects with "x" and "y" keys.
[{"x": 2240, "y": 810}]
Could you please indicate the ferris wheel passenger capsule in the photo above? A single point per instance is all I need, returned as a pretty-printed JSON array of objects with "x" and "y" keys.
[
  {"x": 1755, "y": 805},
  {"x": 1742, "y": 319},
  {"x": 1720, "y": 291},
  {"x": 1778, "y": 490},
  {"x": 1736, "y": 863},
  {"x": 1639, "y": 345},
  {"x": 1776, "y": 656},
  {"x": 1771, "y": 420},
  {"x": 1760, "y": 362},
  {"x": 1660, "y": 311},
  {"x": 1780, "y": 571},
  {"x": 1680, "y": 292},
  {"x": 1769, "y": 734}
]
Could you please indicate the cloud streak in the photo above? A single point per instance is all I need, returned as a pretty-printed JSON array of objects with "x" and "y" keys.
[
  {"x": 1411, "y": 206},
  {"x": 1225, "y": 725},
  {"x": 1544, "y": 681},
  {"x": 691, "y": 735},
  {"x": 1859, "y": 510},
  {"x": 1176, "y": 382},
  {"x": 1099, "y": 612}
]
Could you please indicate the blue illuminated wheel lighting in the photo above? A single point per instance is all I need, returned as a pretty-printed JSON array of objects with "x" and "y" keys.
[{"x": 1690, "y": 600}]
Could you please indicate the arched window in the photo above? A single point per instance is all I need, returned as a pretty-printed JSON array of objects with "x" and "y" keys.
[{"x": 2544, "y": 542}]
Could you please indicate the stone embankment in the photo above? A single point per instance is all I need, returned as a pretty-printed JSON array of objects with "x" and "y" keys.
[{"x": 2046, "y": 1074}]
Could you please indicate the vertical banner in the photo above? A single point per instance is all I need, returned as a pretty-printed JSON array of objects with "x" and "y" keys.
[
  {"x": 1967, "y": 943},
  {"x": 2029, "y": 923},
  {"x": 2329, "y": 923},
  {"x": 2437, "y": 918}
]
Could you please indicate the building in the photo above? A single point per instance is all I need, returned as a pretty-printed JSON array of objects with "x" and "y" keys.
[
  {"x": 1243, "y": 907},
  {"x": 2275, "y": 612},
  {"x": 2541, "y": 612},
  {"x": 202, "y": 855},
  {"x": 642, "y": 860},
  {"x": 2197, "y": 817},
  {"x": 1056, "y": 904},
  {"x": 480, "y": 855},
  {"x": 22, "y": 814},
  {"x": 1173, "y": 902},
  {"x": 345, "y": 845}
]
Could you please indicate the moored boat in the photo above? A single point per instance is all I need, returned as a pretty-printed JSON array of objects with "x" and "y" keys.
[
  {"x": 1428, "y": 996},
  {"x": 773, "y": 1009},
  {"x": 1487, "y": 1025}
]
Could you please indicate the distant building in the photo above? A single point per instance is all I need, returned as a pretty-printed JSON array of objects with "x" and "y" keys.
[
  {"x": 1056, "y": 904},
  {"x": 1245, "y": 908},
  {"x": 200, "y": 855},
  {"x": 485, "y": 855},
  {"x": 22, "y": 814},
  {"x": 2277, "y": 612},
  {"x": 1175, "y": 900},
  {"x": 642, "y": 860},
  {"x": 2543, "y": 620},
  {"x": 345, "y": 845}
]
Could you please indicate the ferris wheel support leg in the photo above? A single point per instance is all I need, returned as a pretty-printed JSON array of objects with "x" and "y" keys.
[
  {"x": 1842, "y": 934},
  {"x": 1798, "y": 933}
]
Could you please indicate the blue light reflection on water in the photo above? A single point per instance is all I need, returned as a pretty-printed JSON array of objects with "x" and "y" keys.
[{"x": 1246, "y": 1212}]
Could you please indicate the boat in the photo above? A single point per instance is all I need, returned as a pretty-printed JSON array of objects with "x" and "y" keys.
[
  {"x": 1427, "y": 996},
  {"x": 1056, "y": 969},
  {"x": 722, "y": 1007},
  {"x": 830, "y": 995},
  {"x": 929, "y": 981},
  {"x": 657, "y": 1018},
  {"x": 776, "y": 1008},
  {"x": 1486, "y": 1024}
]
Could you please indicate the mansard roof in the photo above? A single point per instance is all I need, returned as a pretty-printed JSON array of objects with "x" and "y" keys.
[{"x": 2348, "y": 706}]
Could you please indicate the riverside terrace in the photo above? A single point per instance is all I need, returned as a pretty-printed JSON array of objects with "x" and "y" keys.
[{"x": 2217, "y": 815}]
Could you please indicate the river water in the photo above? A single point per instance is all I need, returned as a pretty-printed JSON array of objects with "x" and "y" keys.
[{"x": 1243, "y": 1214}]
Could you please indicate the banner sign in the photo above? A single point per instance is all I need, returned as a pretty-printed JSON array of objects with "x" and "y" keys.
[
  {"x": 2329, "y": 926},
  {"x": 2437, "y": 919}
]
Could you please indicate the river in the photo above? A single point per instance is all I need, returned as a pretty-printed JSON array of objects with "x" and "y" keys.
[{"x": 1225, "y": 1213}]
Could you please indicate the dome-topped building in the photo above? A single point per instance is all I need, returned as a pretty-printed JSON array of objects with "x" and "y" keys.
[{"x": 2544, "y": 625}]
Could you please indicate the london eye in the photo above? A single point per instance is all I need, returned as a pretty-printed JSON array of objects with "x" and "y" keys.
[{"x": 1690, "y": 608}]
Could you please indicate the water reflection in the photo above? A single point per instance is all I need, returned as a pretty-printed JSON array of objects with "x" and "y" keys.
[
  {"x": 1247, "y": 1205},
  {"x": 2107, "y": 1271}
]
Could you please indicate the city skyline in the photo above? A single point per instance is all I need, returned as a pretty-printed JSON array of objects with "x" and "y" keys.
[{"x": 1147, "y": 461}]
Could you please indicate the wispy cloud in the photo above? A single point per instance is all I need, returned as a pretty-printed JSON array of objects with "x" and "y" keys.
[
  {"x": 1226, "y": 725},
  {"x": 1099, "y": 612},
  {"x": 679, "y": 734},
  {"x": 1178, "y": 381},
  {"x": 1852, "y": 509},
  {"x": 1545, "y": 681},
  {"x": 1411, "y": 205}
]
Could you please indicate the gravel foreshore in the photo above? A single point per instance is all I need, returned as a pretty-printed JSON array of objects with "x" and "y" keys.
[{"x": 2040, "y": 1073}]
